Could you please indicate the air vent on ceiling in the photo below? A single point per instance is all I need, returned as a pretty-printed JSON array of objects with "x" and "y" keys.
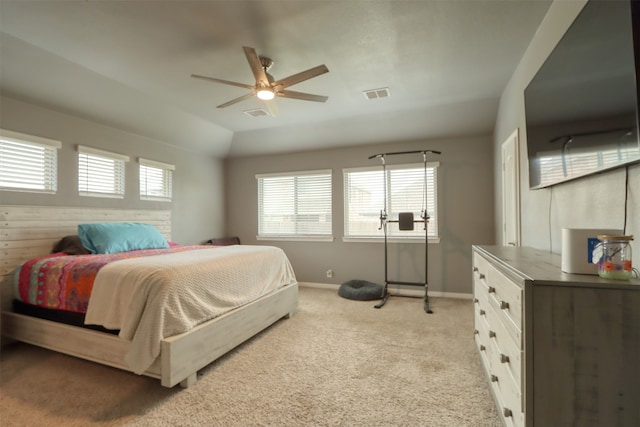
[
  {"x": 377, "y": 93},
  {"x": 258, "y": 112}
]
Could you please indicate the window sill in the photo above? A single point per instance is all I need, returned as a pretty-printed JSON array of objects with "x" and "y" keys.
[
  {"x": 103, "y": 195},
  {"x": 27, "y": 190},
  {"x": 296, "y": 238},
  {"x": 155, "y": 199},
  {"x": 409, "y": 240},
  {"x": 412, "y": 240}
]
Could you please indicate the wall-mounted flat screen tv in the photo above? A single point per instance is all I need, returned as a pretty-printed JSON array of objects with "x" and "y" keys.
[{"x": 581, "y": 107}]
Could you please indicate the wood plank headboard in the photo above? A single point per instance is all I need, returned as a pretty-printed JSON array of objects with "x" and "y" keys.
[{"x": 30, "y": 231}]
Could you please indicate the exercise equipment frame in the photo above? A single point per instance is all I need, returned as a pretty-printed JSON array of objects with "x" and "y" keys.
[{"x": 383, "y": 225}]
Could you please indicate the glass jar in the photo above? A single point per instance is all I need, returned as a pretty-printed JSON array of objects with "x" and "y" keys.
[{"x": 614, "y": 257}]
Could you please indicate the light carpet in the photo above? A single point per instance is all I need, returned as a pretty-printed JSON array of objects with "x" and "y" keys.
[{"x": 337, "y": 362}]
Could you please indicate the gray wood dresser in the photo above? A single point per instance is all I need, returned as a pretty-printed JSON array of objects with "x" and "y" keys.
[{"x": 558, "y": 349}]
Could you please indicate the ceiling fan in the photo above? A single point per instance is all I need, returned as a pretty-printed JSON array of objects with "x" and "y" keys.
[{"x": 266, "y": 88}]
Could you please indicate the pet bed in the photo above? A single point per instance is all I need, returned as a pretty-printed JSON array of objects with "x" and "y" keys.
[{"x": 360, "y": 290}]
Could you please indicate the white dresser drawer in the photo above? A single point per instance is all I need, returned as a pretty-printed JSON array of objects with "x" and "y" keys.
[
  {"x": 481, "y": 297},
  {"x": 481, "y": 291},
  {"x": 482, "y": 332},
  {"x": 510, "y": 327},
  {"x": 480, "y": 270},
  {"x": 482, "y": 343},
  {"x": 501, "y": 391},
  {"x": 510, "y": 402},
  {"x": 507, "y": 294},
  {"x": 480, "y": 286},
  {"x": 480, "y": 264},
  {"x": 508, "y": 351},
  {"x": 505, "y": 297},
  {"x": 498, "y": 347}
]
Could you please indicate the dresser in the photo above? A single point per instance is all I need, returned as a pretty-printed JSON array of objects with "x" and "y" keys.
[{"x": 558, "y": 349}]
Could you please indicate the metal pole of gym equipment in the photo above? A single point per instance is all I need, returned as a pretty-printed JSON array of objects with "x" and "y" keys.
[{"x": 383, "y": 225}]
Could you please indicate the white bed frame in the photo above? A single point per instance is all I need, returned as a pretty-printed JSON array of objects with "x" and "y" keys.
[{"x": 30, "y": 231}]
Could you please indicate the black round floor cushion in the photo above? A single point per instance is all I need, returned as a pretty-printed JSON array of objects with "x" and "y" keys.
[{"x": 360, "y": 290}]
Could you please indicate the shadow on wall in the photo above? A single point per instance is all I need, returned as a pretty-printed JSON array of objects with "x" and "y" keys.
[{"x": 460, "y": 216}]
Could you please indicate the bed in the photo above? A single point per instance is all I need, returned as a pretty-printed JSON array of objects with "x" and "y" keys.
[{"x": 30, "y": 232}]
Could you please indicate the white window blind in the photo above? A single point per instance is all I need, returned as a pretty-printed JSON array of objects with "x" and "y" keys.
[
  {"x": 100, "y": 173},
  {"x": 364, "y": 193},
  {"x": 28, "y": 163},
  {"x": 156, "y": 180},
  {"x": 294, "y": 204}
]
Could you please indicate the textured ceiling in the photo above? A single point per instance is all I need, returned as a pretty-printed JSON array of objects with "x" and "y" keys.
[{"x": 128, "y": 64}]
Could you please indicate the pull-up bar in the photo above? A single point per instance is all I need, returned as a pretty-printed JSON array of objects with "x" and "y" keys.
[
  {"x": 405, "y": 221},
  {"x": 404, "y": 152}
]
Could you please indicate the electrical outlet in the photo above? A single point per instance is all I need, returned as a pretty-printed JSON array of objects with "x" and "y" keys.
[{"x": 329, "y": 273}]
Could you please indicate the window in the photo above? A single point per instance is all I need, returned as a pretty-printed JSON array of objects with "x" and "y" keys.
[
  {"x": 100, "y": 173},
  {"x": 364, "y": 198},
  {"x": 156, "y": 180},
  {"x": 295, "y": 205},
  {"x": 28, "y": 163}
]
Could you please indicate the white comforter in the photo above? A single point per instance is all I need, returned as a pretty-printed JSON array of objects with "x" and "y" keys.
[{"x": 156, "y": 297}]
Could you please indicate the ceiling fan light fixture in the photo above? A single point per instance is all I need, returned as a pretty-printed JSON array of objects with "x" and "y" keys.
[{"x": 266, "y": 94}]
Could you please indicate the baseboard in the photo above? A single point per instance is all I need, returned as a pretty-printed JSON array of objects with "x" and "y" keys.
[{"x": 395, "y": 290}]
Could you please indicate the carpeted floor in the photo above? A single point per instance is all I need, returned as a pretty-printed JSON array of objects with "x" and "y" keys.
[{"x": 337, "y": 362}]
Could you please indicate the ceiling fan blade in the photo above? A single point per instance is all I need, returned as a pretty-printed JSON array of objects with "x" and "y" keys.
[
  {"x": 272, "y": 106},
  {"x": 302, "y": 96},
  {"x": 226, "y": 82},
  {"x": 256, "y": 66},
  {"x": 236, "y": 100},
  {"x": 301, "y": 76}
]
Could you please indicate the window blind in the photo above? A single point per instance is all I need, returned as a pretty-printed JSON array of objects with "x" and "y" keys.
[
  {"x": 156, "y": 180},
  {"x": 101, "y": 173},
  {"x": 364, "y": 193},
  {"x": 28, "y": 163},
  {"x": 295, "y": 204}
]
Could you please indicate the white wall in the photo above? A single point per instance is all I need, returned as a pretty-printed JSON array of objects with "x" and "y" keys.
[
  {"x": 593, "y": 202},
  {"x": 198, "y": 186}
]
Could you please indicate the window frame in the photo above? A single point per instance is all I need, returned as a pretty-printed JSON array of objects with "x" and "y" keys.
[
  {"x": 167, "y": 180},
  {"x": 48, "y": 162},
  {"x": 119, "y": 172},
  {"x": 316, "y": 237},
  {"x": 417, "y": 235}
]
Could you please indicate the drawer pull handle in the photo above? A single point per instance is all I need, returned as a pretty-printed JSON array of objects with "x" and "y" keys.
[
  {"x": 482, "y": 347},
  {"x": 475, "y": 269},
  {"x": 476, "y": 300},
  {"x": 507, "y": 412},
  {"x": 492, "y": 289},
  {"x": 494, "y": 378},
  {"x": 476, "y": 332},
  {"x": 482, "y": 312},
  {"x": 482, "y": 276},
  {"x": 492, "y": 334},
  {"x": 504, "y": 305},
  {"x": 504, "y": 358}
]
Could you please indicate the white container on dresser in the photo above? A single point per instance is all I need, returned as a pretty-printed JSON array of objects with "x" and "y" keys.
[{"x": 559, "y": 349}]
